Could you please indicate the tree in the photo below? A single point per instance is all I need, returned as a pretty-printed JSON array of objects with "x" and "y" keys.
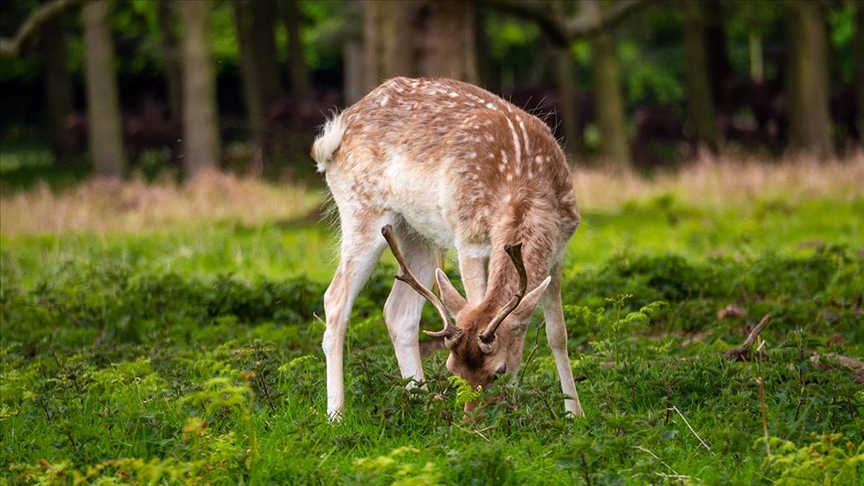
[
  {"x": 166, "y": 11},
  {"x": 201, "y": 144},
  {"x": 58, "y": 85},
  {"x": 355, "y": 75},
  {"x": 255, "y": 21},
  {"x": 700, "y": 98},
  {"x": 296, "y": 58},
  {"x": 595, "y": 20},
  {"x": 419, "y": 38},
  {"x": 859, "y": 68},
  {"x": 614, "y": 144},
  {"x": 809, "y": 121},
  {"x": 103, "y": 112},
  {"x": 563, "y": 70},
  {"x": 263, "y": 18},
  {"x": 446, "y": 29},
  {"x": 35, "y": 23}
]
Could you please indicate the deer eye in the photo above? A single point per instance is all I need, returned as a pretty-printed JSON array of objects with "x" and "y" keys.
[{"x": 501, "y": 369}]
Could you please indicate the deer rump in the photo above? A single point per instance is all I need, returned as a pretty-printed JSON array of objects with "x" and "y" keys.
[{"x": 446, "y": 165}]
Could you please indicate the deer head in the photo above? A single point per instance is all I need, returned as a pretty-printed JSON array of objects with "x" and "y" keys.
[{"x": 486, "y": 341}]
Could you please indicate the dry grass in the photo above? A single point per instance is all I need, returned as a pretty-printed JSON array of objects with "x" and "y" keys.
[
  {"x": 717, "y": 182},
  {"x": 103, "y": 206},
  {"x": 107, "y": 207}
]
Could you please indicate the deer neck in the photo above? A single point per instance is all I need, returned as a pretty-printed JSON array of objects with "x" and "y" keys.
[{"x": 538, "y": 253}]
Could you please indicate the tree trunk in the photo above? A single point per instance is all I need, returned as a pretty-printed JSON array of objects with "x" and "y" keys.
[
  {"x": 434, "y": 38},
  {"x": 563, "y": 69},
  {"x": 614, "y": 143},
  {"x": 263, "y": 26},
  {"x": 859, "y": 69},
  {"x": 355, "y": 61},
  {"x": 250, "y": 73},
  {"x": 487, "y": 74},
  {"x": 399, "y": 24},
  {"x": 391, "y": 39},
  {"x": 719, "y": 67},
  {"x": 809, "y": 121},
  {"x": 296, "y": 57},
  {"x": 200, "y": 125},
  {"x": 171, "y": 53},
  {"x": 448, "y": 40},
  {"x": 566, "y": 87},
  {"x": 700, "y": 102},
  {"x": 103, "y": 112},
  {"x": 372, "y": 40},
  {"x": 58, "y": 86}
]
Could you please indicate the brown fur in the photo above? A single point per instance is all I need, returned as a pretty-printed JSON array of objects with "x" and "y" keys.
[{"x": 455, "y": 166}]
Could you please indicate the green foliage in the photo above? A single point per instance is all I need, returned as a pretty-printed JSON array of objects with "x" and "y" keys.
[
  {"x": 125, "y": 359},
  {"x": 397, "y": 469},
  {"x": 829, "y": 460}
]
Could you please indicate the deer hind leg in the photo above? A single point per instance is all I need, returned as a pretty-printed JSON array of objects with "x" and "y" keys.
[
  {"x": 556, "y": 333},
  {"x": 473, "y": 272},
  {"x": 361, "y": 248},
  {"x": 403, "y": 306}
]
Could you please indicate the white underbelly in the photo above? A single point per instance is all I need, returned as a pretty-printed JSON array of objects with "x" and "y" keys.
[{"x": 422, "y": 200}]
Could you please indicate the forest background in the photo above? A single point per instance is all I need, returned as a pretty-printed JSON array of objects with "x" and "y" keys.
[
  {"x": 164, "y": 249},
  {"x": 245, "y": 83}
]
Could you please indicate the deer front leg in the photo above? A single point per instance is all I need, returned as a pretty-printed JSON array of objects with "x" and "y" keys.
[
  {"x": 360, "y": 252},
  {"x": 403, "y": 307},
  {"x": 556, "y": 333}
]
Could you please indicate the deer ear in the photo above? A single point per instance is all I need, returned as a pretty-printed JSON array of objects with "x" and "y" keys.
[
  {"x": 452, "y": 300},
  {"x": 529, "y": 302}
]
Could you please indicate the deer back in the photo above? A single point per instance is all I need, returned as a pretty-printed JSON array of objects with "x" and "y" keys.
[{"x": 459, "y": 164}]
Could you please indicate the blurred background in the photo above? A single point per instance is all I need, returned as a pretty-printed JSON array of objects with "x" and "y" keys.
[{"x": 127, "y": 86}]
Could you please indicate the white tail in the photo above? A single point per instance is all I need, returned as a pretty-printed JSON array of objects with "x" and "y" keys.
[{"x": 443, "y": 164}]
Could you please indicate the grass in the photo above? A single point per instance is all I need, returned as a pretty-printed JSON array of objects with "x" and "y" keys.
[{"x": 156, "y": 333}]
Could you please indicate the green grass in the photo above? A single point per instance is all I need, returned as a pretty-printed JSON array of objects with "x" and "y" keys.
[{"x": 192, "y": 355}]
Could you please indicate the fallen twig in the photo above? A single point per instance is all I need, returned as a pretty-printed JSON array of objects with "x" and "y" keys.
[
  {"x": 675, "y": 409},
  {"x": 853, "y": 365},
  {"x": 742, "y": 353}
]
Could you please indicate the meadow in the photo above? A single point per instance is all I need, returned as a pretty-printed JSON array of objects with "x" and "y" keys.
[{"x": 164, "y": 334}]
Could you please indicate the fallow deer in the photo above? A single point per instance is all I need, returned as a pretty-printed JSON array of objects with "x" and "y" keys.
[{"x": 440, "y": 164}]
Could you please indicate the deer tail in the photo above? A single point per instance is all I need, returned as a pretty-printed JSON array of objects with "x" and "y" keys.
[{"x": 328, "y": 141}]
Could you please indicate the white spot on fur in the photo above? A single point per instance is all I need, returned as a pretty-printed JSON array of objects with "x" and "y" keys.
[
  {"x": 384, "y": 100},
  {"x": 517, "y": 147},
  {"x": 524, "y": 135}
]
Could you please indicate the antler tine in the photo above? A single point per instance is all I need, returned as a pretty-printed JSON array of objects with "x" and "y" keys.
[
  {"x": 406, "y": 276},
  {"x": 515, "y": 253}
]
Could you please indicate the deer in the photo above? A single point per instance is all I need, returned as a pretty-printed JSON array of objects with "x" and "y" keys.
[{"x": 433, "y": 164}]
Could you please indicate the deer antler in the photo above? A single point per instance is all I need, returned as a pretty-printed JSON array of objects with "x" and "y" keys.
[
  {"x": 405, "y": 275},
  {"x": 487, "y": 337}
]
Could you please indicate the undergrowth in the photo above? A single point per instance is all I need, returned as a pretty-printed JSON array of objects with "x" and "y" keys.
[{"x": 112, "y": 373}]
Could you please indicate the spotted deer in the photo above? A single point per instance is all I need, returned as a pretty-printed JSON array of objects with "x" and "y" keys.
[{"x": 437, "y": 164}]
